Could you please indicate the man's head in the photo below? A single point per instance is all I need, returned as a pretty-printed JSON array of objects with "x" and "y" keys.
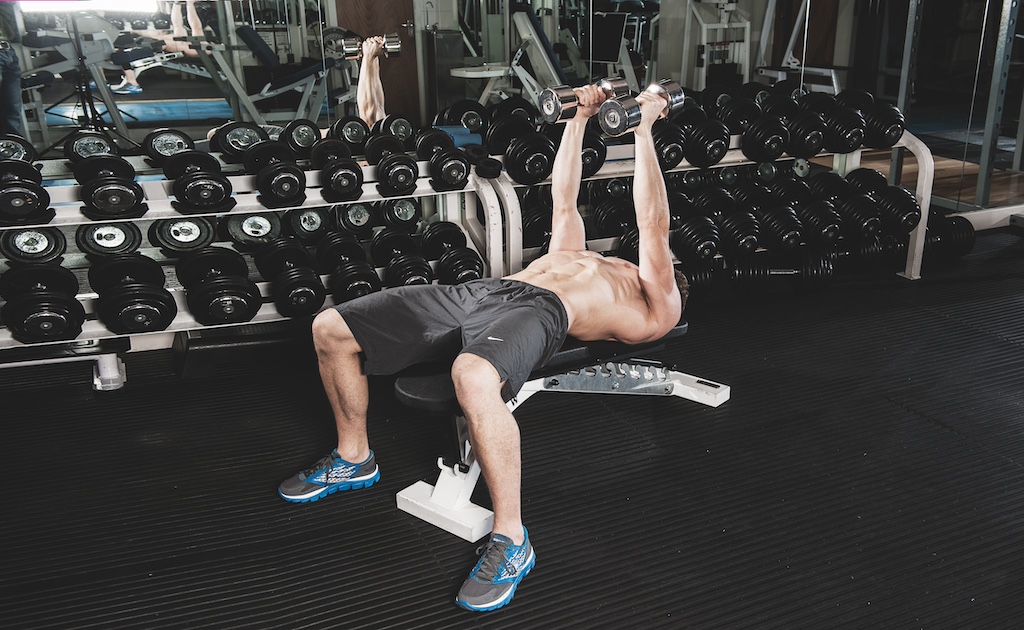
[{"x": 684, "y": 289}]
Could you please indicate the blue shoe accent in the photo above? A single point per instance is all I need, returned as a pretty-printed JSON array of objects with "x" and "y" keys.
[
  {"x": 129, "y": 88},
  {"x": 329, "y": 475},
  {"x": 493, "y": 581}
]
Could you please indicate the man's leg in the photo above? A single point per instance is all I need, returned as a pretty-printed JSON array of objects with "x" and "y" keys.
[{"x": 10, "y": 92}]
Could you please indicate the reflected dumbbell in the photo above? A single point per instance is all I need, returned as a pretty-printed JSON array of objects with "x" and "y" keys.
[
  {"x": 400, "y": 214},
  {"x": 358, "y": 218},
  {"x": 161, "y": 144},
  {"x": 132, "y": 297},
  {"x": 612, "y": 217},
  {"x": 445, "y": 242},
  {"x": 40, "y": 303},
  {"x": 109, "y": 189},
  {"x": 88, "y": 142},
  {"x": 279, "y": 181},
  {"x": 295, "y": 286},
  {"x": 352, "y": 46},
  {"x": 697, "y": 239},
  {"x": 15, "y": 147},
  {"x": 822, "y": 224},
  {"x": 738, "y": 228},
  {"x": 341, "y": 255},
  {"x": 23, "y": 199},
  {"x": 99, "y": 240},
  {"x": 351, "y": 130},
  {"x": 620, "y": 114},
  {"x": 32, "y": 245},
  {"x": 250, "y": 231},
  {"x": 811, "y": 271},
  {"x": 396, "y": 252},
  {"x": 308, "y": 225},
  {"x": 300, "y": 135},
  {"x": 175, "y": 237},
  {"x": 558, "y": 104},
  {"x": 468, "y": 113},
  {"x": 197, "y": 183},
  {"x": 398, "y": 126},
  {"x": 233, "y": 139},
  {"x": 217, "y": 286}
]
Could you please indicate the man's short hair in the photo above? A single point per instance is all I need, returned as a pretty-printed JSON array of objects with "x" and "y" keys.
[{"x": 684, "y": 289}]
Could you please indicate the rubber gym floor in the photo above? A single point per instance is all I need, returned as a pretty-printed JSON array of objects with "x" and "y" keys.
[{"x": 867, "y": 473}]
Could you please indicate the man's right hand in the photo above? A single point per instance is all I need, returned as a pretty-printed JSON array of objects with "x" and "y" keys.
[
  {"x": 652, "y": 106},
  {"x": 588, "y": 100},
  {"x": 373, "y": 47}
]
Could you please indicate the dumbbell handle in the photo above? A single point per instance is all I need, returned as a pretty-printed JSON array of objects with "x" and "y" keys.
[
  {"x": 352, "y": 46},
  {"x": 622, "y": 113},
  {"x": 559, "y": 103}
]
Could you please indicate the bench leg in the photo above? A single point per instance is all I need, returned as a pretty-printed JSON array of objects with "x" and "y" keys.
[{"x": 447, "y": 504}]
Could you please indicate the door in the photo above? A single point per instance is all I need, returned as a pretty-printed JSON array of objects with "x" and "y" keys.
[{"x": 399, "y": 75}]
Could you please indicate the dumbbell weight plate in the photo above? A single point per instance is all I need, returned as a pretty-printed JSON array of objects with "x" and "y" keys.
[
  {"x": 439, "y": 237},
  {"x": 449, "y": 170},
  {"x": 279, "y": 254},
  {"x": 300, "y": 136},
  {"x": 87, "y": 142},
  {"x": 14, "y": 147},
  {"x": 107, "y": 239},
  {"x": 396, "y": 175},
  {"x": 468, "y": 113},
  {"x": 202, "y": 192},
  {"x": 37, "y": 277},
  {"x": 389, "y": 244},
  {"x": 161, "y": 144},
  {"x": 408, "y": 270},
  {"x": 357, "y": 218},
  {"x": 249, "y": 231},
  {"x": 308, "y": 225},
  {"x": 112, "y": 198},
  {"x": 392, "y": 45},
  {"x": 120, "y": 268},
  {"x": 475, "y": 153},
  {"x": 503, "y": 131},
  {"x": 97, "y": 166},
  {"x": 32, "y": 245},
  {"x": 513, "y": 106},
  {"x": 707, "y": 144},
  {"x": 459, "y": 265},
  {"x": 235, "y": 138},
  {"x": 593, "y": 154},
  {"x": 191, "y": 161},
  {"x": 352, "y": 131},
  {"x": 19, "y": 171},
  {"x": 381, "y": 145},
  {"x": 401, "y": 214},
  {"x": 399, "y": 127},
  {"x": 132, "y": 308},
  {"x": 280, "y": 185},
  {"x": 530, "y": 158},
  {"x": 223, "y": 300},
  {"x": 488, "y": 168},
  {"x": 432, "y": 140},
  {"x": 337, "y": 248},
  {"x": 352, "y": 280},
  {"x": 298, "y": 292},
  {"x": 179, "y": 236},
  {"x": 191, "y": 269},
  {"x": 264, "y": 154},
  {"x": 24, "y": 202},
  {"x": 43, "y": 316},
  {"x": 341, "y": 180},
  {"x": 328, "y": 150}
]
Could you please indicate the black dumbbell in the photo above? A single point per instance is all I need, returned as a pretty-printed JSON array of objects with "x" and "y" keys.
[
  {"x": 468, "y": 113},
  {"x": 530, "y": 158},
  {"x": 300, "y": 135},
  {"x": 503, "y": 131},
  {"x": 217, "y": 286},
  {"x": 867, "y": 180},
  {"x": 738, "y": 114},
  {"x": 756, "y": 91},
  {"x": 445, "y": 242},
  {"x": 341, "y": 177},
  {"x": 822, "y": 224},
  {"x": 197, "y": 183},
  {"x": 810, "y": 272},
  {"x": 397, "y": 172},
  {"x": 948, "y": 237},
  {"x": 714, "y": 98},
  {"x": 15, "y": 147},
  {"x": 781, "y": 227},
  {"x": 431, "y": 140},
  {"x": 23, "y": 199},
  {"x": 844, "y": 130},
  {"x": 132, "y": 297},
  {"x": 400, "y": 214},
  {"x": 558, "y": 104},
  {"x": 884, "y": 126},
  {"x": 249, "y": 231},
  {"x": 235, "y": 138},
  {"x": 612, "y": 217},
  {"x": 295, "y": 286},
  {"x": 860, "y": 216},
  {"x": 326, "y": 150},
  {"x": 448, "y": 170},
  {"x": 98, "y": 240},
  {"x": 41, "y": 303},
  {"x": 898, "y": 209},
  {"x": 396, "y": 251},
  {"x": 341, "y": 255},
  {"x": 357, "y": 218},
  {"x": 88, "y": 142},
  {"x": 280, "y": 182},
  {"x": 622, "y": 113},
  {"x": 738, "y": 228},
  {"x": 351, "y": 130},
  {"x": 308, "y": 225},
  {"x": 32, "y": 245},
  {"x": 109, "y": 189},
  {"x": 697, "y": 238},
  {"x": 828, "y": 186},
  {"x": 179, "y": 236},
  {"x": 162, "y": 143},
  {"x": 806, "y": 134},
  {"x": 615, "y": 188},
  {"x": 669, "y": 144},
  {"x": 398, "y": 126},
  {"x": 706, "y": 143},
  {"x": 765, "y": 139}
]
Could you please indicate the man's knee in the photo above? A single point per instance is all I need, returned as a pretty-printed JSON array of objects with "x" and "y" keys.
[
  {"x": 474, "y": 374},
  {"x": 332, "y": 334}
]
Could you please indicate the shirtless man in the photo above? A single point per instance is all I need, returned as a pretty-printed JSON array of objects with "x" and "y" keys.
[
  {"x": 369, "y": 89},
  {"x": 499, "y": 330}
]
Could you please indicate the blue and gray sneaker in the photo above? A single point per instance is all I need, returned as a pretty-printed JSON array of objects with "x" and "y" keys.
[
  {"x": 128, "y": 88},
  {"x": 329, "y": 475},
  {"x": 493, "y": 581}
]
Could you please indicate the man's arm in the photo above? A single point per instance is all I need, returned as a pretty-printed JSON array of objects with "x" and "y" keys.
[
  {"x": 657, "y": 276},
  {"x": 369, "y": 89},
  {"x": 567, "y": 230}
]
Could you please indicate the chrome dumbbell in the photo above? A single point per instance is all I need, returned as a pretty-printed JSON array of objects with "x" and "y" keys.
[
  {"x": 620, "y": 114},
  {"x": 559, "y": 103},
  {"x": 352, "y": 46}
]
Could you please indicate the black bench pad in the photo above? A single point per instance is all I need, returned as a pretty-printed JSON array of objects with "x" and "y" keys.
[{"x": 430, "y": 388}]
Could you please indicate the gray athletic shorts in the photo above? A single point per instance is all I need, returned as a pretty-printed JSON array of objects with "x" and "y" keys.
[{"x": 515, "y": 326}]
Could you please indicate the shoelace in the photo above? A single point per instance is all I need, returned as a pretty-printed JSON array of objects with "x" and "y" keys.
[
  {"x": 324, "y": 463},
  {"x": 493, "y": 555}
]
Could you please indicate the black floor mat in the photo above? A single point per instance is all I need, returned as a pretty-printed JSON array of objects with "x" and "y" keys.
[{"x": 866, "y": 474}]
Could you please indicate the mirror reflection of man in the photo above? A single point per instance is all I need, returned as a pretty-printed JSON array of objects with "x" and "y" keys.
[{"x": 10, "y": 72}]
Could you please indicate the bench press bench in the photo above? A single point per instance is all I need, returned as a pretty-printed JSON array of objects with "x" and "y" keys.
[{"x": 584, "y": 367}]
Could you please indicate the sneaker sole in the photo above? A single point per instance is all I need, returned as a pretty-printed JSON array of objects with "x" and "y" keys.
[
  {"x": 338, "y": 487},
  {"x": 508, "y": 596}
]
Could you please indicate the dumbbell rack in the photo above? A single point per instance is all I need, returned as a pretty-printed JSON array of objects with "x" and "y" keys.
[
  {"x": 619, "y": 163},
  {"x": 459, "y": 206}
]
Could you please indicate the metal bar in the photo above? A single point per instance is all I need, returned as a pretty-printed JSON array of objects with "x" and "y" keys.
[
  {"x": 996, "y": 96},
  {"x": 908, "y": 72}
]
